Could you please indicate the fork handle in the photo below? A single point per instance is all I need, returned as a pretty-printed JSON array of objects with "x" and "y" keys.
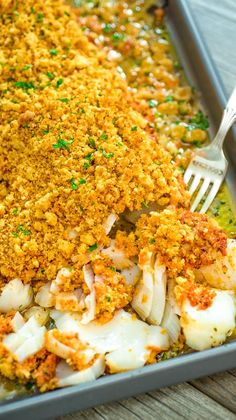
[{"x": 228, "y": 118}]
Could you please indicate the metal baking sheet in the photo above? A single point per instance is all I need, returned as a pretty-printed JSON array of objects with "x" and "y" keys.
[{"x": 201, "y": 73}]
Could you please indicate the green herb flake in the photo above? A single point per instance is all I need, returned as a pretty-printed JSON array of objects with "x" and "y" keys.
[
  {"x": 108, "y": 298},
  {"x": 105, "y": 154},
  {"x": 116, "y": 37},
  {"x": 169, "y": 98},
  {"x": 197, "y": 143},
  {"x": 62, "y": 144},
  {"x": 33, "y": 10},
  {"x": 15, "y": 234},
  {"x": 89, "y": 157},
  {"x": 53, "y": 52},
  {"x": 24, "y": 85},
  {"x": 40, "y": 17},
  {"x": 93, "y": 247},
  {"x": 152, "y": 241},
  {"x": 25, "y": 232},
  {"x": 145, "y": 204},
  {"x": 50, "y": 75},
  {"x": 82, "y": 181},
  {"x": 86, "y": 165},
  {"x": 15, "y": 210},
  {"x": 103, "y": 136},
  {"x": 45, "y": 132},
  {"x": 112, "y": 268},
  {"x": 200, "y": 121},
  {"x": 73, "y": 185},
  {"x": 107, "y": 28},
  {"x": 91, "y": 143},
  {"x": 152, "y": 103},
  {"x": 66, "y": 100},
  {"x": 66, "y": 13},
  {"x": 27, "y": 67},
  {"x": 120, "y": 143},
  {"x": 134, "y": 128},
  {"x": 58, "y": 83}
]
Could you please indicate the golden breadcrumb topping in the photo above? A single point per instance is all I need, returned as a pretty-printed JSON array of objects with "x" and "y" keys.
[
  {"x": 68, "y": 154},
  {"x": 112, "y": 291},
  {"x": 184, "y": 240}
]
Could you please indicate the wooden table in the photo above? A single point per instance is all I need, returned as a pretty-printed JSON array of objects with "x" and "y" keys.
[{"x": 213, "y": 397}]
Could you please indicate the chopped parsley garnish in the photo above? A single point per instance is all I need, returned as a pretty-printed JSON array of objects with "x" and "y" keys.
[
  {"x": 21, "y": 229},
  {"x": 93, "y": 247},
  {"x": 107, "y": 28},
  {"x": 59, "y": 83},
  {"x": 40, "y": 17},
  {"x": 33, "y": 10},
  {"x": 152, "y": 241},
  {"x": 197, "y": 143},
  {"x": 116, "y": 37},
  {"x": 24, "y": 85},
  {"x": 66, "y": 13},
  {"x": 177, "y": 66},
  {"x": 108, "y": 298},
  {"x": 27, "y": 67},
  {"x": 73, "y": 185},
  {"x": 200, "y": 121},
  {"x": 145, "y": 204},
  {"x": 168, "y": 98},
  {"x": 103, "y": 136},
  {"x": 50, "y": 75},
  {"x": 88, "y": 158},
  {"x": 134, "y": 128},
  {"x": 112, "y": 268},
  {"x": 152, "y": 103},
  {"x": 15, "y": 210},
  {"x": 63, "y": 144},
  {"x": 30, "y": 386},
  {"x": 45, "y": 131},
  {"x": 66, "y": 100},
  {"x": 53, "y": 52},
  {"x": 91, "y": 143},
  {"x": 105, "y": 154},
  {"x": 120, "y": 143}
]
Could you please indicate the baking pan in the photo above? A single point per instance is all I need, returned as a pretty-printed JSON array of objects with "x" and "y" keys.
[{"x": 201, "y": 73}]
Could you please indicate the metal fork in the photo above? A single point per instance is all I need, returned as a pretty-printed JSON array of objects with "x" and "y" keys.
[{"x": 209, "y": 165}]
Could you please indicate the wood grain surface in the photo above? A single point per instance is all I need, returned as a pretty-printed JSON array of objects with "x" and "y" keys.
[{"x": 213, "y": 397}]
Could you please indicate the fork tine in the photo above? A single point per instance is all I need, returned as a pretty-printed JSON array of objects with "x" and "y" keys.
[
  {"x": 200, "y": 194},
  {"x": 212, "y": 193},
  {"x": 187, "y": 175},
  {"x": 195, "y": 183}
]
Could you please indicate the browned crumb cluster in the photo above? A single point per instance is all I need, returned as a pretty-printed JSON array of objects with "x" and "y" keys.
[
  {"x": 184, "y": 240},
  {"x": 68, "y": 155}
]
